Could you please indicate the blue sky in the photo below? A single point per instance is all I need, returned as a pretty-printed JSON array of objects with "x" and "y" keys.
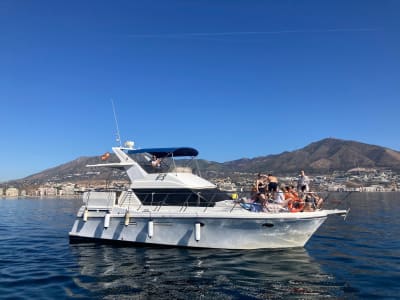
[{"x": 233, "y": 79}]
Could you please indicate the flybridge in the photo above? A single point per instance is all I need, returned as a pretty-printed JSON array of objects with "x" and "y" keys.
[{"x": 166, "y": 152}]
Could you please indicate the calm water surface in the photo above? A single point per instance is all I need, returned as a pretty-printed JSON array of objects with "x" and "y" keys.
[{"x": 358, "y": 258}]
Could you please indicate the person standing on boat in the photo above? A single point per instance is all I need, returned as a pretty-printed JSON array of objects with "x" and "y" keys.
[
  {"x": 303, "y": 183},
  {"x": 272, "y": 183}
]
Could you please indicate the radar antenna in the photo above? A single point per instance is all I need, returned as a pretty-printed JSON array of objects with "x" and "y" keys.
[{"x": 118, "y": 137}]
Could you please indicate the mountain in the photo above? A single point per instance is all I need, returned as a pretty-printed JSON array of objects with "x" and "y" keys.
[
  {"x": 73, "y": 171},
  {"x": 322, "y": 157}
]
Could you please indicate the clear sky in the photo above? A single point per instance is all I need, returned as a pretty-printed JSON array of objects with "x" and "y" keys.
[{"x": 231, "y": 78}]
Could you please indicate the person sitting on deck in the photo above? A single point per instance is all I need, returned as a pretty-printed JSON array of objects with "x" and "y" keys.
[
  {"x": 312, "y": 202},
  {"x": 290, "y": 193},
  {"x": 279, "y": 197},
  {"x": 253, "y": 195},
  {"x": 277, "y": 202},
  {"x": 260, "y": 186}
]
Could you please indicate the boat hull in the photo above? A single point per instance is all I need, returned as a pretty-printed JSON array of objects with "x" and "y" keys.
[{"x": 199, "y": 231}]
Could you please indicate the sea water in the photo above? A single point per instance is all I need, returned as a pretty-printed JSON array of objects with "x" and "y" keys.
[{"x": 356, "y": 258}]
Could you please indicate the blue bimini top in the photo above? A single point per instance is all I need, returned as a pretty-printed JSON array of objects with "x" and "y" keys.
[{"x": 167, "y": 152}]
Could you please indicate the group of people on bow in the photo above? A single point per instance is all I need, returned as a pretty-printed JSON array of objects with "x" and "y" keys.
[{"x": 272, "y": 196}]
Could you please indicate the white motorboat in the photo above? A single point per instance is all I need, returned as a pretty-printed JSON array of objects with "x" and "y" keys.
[{"x": 172, "y": 206}]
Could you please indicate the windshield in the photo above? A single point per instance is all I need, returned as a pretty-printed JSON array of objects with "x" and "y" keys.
[{"x": 153, "y": 164}]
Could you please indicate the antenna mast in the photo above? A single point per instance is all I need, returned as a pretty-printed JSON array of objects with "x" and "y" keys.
[{"x": 118, "y": 137}]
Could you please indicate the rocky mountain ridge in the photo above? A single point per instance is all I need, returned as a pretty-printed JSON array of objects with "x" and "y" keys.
[{"x": 321, "y": 157}]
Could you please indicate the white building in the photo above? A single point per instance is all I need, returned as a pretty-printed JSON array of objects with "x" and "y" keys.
[
  {"x": 67, "y": 189},
  {"x": 46, "y": 191},
  {"x": 373, "y": 188},
  {"x": 12, "y": 192},
  {"x": 336, "y": 187}
]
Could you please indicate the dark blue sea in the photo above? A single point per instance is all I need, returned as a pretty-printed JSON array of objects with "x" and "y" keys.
[{"x": 356, "y": 258}]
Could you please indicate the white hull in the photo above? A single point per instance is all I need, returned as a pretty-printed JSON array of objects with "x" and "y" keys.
[{"x": 216, "y": 227}]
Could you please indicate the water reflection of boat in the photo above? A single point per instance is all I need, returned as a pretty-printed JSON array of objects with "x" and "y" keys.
[
  {"x": 172, "y": 206},
  {"x": 108, "y": 271}
]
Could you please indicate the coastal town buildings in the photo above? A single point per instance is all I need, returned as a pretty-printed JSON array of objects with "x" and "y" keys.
[
  {"x": 354, "y": 180},
  {"x": 12, "y": 192}
]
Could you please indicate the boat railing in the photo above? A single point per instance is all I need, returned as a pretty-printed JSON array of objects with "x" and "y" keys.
[
  {"x": 209, "y": 202},
  {"x": 99, "y": 200},
  {"x": 185, "y": 204},
  {"x": 335, "y": 200},
  {"x": 129, "y": 199},
  {"x": 104, "y": 200}
]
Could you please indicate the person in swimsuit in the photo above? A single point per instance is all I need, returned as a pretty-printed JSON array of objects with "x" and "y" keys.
[
  {"x": 155, "y": 162},
  {"x": 272, "y": 183}
]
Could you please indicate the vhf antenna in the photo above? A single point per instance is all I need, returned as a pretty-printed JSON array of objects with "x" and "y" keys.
[{"x": 118, "y": 137}]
